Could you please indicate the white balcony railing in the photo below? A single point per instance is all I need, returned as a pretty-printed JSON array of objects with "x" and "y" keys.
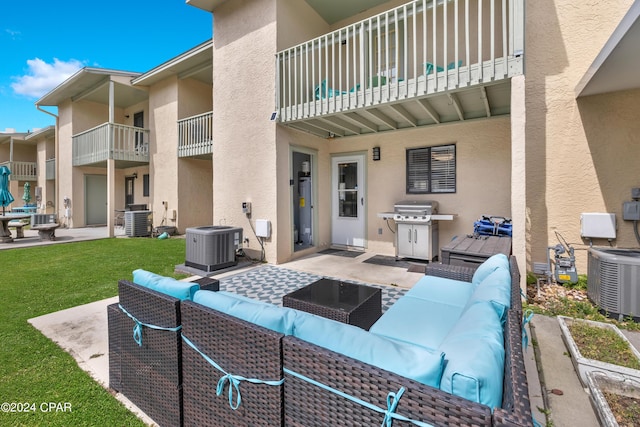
[
  {"x": 195, "y": 135},
  {"x": 411, "y": 51},
  {"x": 22, "y": 171},
  {"x": 111, "y": 141},
  {"x": 51, "y": 169}
]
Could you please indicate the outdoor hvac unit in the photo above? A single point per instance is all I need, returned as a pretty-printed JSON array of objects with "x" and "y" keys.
[
  {"x": 137, "y": 223},
  {"x": 613, "y": 281},
  {"x": 212, "y": 247}
]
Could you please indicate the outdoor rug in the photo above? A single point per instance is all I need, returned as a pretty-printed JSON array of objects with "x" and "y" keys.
[
  {"x": 342, "y": 252},
  {"x": 270, "y": 283}
]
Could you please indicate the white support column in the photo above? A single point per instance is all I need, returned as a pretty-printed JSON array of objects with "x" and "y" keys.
[
  {"x": 111, "y": 101},
  {"x": 111, "y": 195},
  {"x": 518, "y": 176}
]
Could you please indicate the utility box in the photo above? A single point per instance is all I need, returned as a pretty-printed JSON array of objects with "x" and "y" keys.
[
  {"x": 263, "y": 228},
  {"x": 598, "y": 225},
  {"x": 631, "y": 211}
]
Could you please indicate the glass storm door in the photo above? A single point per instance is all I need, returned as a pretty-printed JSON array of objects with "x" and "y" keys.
[{"x": 348, "y": 204}]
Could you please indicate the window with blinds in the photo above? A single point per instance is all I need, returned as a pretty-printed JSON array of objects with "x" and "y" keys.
[{"x": 431, "y": 170}]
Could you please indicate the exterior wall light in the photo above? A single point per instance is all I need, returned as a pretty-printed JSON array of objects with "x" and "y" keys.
[{"x": 376, "y": 153}]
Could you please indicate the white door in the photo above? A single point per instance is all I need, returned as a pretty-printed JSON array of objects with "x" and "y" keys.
[{"x": 348, "y": 201}]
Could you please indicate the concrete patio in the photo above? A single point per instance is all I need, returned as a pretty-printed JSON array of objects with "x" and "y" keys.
[{"x": 82, "y": 332}]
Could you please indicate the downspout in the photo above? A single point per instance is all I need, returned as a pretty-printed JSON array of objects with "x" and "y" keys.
[{"x": 55, "y": 136}]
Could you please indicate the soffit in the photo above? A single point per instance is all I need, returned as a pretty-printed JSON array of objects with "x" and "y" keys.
[
  {"x": 196, "y": 63},
  {"x": 331, "y": 11},
  {"x": 617, "y": 66}
]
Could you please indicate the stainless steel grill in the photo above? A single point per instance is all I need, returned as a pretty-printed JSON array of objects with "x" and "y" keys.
[
  {"x": 414, "y": 211},
  {"x": 417, "y": 230}
]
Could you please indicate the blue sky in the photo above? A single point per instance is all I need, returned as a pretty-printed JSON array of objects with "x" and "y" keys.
[{"x": 42, "y": 42}]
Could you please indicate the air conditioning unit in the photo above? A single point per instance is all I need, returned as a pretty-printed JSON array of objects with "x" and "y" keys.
[
  {"x": 212, "y": 247},
  {"x": 137, "y": 223},
  {"x": 613, "y": 281}
]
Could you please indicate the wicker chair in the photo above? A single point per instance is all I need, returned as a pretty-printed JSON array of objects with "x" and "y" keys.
[
  {"x": 147, "y": 368},
  {"x": 326, "y": 388},
  {"x": 240, "y": 349}
]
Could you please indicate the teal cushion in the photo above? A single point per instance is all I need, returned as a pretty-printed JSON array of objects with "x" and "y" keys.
[
  {"x": 496, "y": 289},
  {"x": 166, "y": 285},
  {"x": 417, "y": 321},
  {"x": 474, "y": 351},
  {"x": 269, "y": 316},
  {"x": 439, "y": 289},
  {"x": 486, "y": 268},
  {"x": 418, "y": 363}
]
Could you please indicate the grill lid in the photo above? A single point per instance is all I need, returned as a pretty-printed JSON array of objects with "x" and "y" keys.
[{"x": 421, "y": 207}]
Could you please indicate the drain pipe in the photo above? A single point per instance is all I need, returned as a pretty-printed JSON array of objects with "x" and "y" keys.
[{"x": 55, "y": 136}]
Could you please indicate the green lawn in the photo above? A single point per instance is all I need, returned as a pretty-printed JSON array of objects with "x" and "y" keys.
[{"x": 35, "y": 281}]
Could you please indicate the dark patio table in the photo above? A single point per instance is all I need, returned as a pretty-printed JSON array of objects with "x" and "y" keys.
[{"x": 351, "y": 303}]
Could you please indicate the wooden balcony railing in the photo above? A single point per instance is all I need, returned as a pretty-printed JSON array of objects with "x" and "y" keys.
[
  {"x": 195, "y": 135},
  {"x": 22, "y": 171},
  {"x": 411, "y": 51},
  {"x": 111, "y": 141}
]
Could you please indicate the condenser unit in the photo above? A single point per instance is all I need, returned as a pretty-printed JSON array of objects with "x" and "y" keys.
[
  {"x": 137, "y": 223},
  {"x": 613, "y": 280},
  {"x": 212, "y": 247}
]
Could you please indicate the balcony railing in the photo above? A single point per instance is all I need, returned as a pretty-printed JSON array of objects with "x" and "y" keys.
[
  {"x": 22, "y": 171},
  {"x": 195, "y": 135},
  {"x": 111, "y": 141},
  {"x": 51, "y": 169},
  {"x": 409, "y": 52}
]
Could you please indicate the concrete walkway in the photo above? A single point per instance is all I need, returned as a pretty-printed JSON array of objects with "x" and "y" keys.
[{"x": 82, "y": 332}]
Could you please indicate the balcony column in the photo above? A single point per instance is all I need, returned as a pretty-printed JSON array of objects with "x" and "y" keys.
[
  {"x": 111, "y": 101},
  {"x": 518, "y": 176},
  {"x": 111, "y": 195}
]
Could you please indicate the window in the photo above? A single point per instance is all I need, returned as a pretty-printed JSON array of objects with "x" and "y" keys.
[
  {"x": 431, "y": 170},
  {"x": 145, "y": 185}
]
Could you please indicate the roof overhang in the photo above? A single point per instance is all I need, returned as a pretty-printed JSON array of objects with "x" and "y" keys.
[
  {"x": 47, "y": 132},
  {"x": 331, "y": 11},
  {"x": 91, "y": 83},
  {"x": 195, "y": 63},
  {"x": 617, "y": 66}
]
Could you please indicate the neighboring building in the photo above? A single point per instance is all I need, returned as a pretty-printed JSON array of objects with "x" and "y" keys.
[
  {"x": 19, "y": 154},
  {"x": 126, "y": 139},
  {"x": 472, "y": 104},
  {"x": 45, "y": 195}
]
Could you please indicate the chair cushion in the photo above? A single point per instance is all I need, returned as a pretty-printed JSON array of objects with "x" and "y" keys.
[
  {"x": 474, "y": 351},
  {"x": 417, "y": 321},
  {"x": 279, "y": 319},
  {"x": 439, "y": 289},
  {"x": 496, "y": 289},
  {"x": 418, "y": 363},
  {"x": 166, "y": 285},
  {"x": 486, "y": 268}
]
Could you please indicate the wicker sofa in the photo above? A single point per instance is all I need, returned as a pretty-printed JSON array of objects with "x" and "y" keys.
[{"x": 267, "y": 376}]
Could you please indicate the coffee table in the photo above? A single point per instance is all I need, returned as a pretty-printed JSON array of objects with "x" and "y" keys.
[{"x": 358, "y": 305}]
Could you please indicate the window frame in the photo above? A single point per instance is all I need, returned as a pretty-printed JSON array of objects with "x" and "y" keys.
[
  {"x": 411, "y": 187},
  {"x": 145, "y": 185}
]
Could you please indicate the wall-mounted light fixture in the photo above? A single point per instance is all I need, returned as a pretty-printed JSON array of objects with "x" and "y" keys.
[
  {"x": 376, "y": 153},
  {"x": 135, "y": 175},
  {"x": 126, "y": 116}
]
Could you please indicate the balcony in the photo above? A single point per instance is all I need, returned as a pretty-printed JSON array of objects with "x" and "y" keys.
[
  {"x": 50, "y": 169},
  {"x": 127, "y": 145},
  {"x": 195, "y": 136},
  {"x": 22, "y": 171},
  {"x": 423, "y": 63}
]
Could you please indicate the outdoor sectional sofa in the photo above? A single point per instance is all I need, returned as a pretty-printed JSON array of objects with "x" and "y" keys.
[{"x": 449, "y": 352}]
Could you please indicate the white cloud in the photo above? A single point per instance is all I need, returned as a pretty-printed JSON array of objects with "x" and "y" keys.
[
  {"x": 42, "y": 77},
  {"x": 12, "y": 33}
]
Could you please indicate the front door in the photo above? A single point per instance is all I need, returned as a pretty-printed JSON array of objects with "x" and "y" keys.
[
  {"x": 128, "y": 190},
  {"x": 348, "y": 201},
  {"x": 138, "y": 121}
]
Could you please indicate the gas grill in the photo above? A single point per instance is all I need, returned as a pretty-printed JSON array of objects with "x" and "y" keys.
[{"x": 417, "y": 230}]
